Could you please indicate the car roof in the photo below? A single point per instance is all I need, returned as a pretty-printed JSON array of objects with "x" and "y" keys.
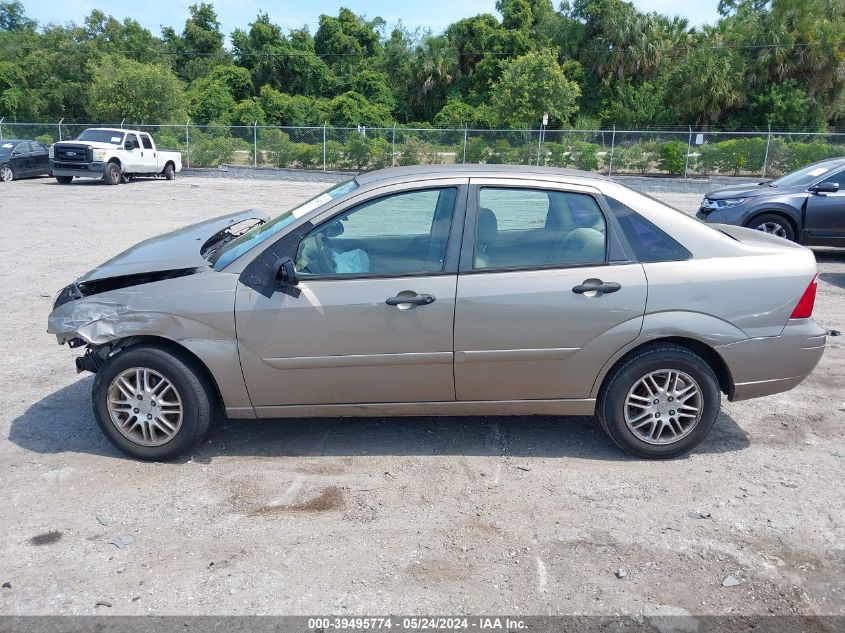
[
  {"x": 476, "y": 170},
  {"x": 16, "y": 140}
]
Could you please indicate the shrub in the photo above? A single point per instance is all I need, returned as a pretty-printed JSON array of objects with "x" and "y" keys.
[
  {"x": 636, "y": 158},
  {"x": 45, "y": 139},
  {"x": 417, "y": 152},
  {"x": 362, "y": 151},
  {"x": 801, "y": 154},
  {"x": 476, "y": 150},
  {"x": 308, "y": 156},
  {"x": 211, "y": 152},
  {"x": 673, "y": 157}
]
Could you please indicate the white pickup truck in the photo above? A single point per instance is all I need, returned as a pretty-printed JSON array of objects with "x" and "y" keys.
[{"x": 114, "y": 155}]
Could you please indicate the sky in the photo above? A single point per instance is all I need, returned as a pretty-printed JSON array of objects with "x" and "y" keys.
[{"x": 290, "y": 14}]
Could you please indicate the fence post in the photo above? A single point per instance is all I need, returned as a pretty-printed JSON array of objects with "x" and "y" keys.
[
  {"x": 689, "y": 149},
  {"x": 539, "y": 143},
  {"x": 121, "y": 123},
  {"x": 612, "y": 148},
  {"x": 393, "y": 147},
  {"x": 465, "y": 143},
  {"x": 255, "y": 143},
  {"x": 766, "y": 157},
  {"x": 324, "y": 146},
  {"x": 187, "y": 144},
  {"x": 60, "y": 128},
  {"x": 1, "y": 127}
]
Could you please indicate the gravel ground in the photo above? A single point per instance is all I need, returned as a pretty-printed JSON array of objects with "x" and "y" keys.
[{"x": 529, "y": 515}]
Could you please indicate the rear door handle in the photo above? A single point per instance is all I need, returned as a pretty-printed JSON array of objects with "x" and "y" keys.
[
  {"x": 596, "y": 286},
  {"x": 416, "y": 300}
]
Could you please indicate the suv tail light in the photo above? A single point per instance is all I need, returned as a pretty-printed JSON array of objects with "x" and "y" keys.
[{"x": 804, "y": 309}]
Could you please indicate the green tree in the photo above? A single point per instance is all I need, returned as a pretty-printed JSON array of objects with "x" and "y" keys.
[
  {"x": 353, "y": 108},
  {"x": 200, "y": 46},
  {"x": 142, "y": 93},
  {"x": 532, "y": 85},
  {"x": 13, "y": 17}
]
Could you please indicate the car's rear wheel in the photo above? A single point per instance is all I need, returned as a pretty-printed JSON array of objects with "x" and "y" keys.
[
  {"x": 113, "y": 174},
  {"x": 64, "y": 180},
  {"x": 660, "y": 402},
  {"x": 169, "y": 171},
  {"x": 152, "y": 403},
  {"x": 774, "y": 225},
  {"x": 7, "y": 173}
]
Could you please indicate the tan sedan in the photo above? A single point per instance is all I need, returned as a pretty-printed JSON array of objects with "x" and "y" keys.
[{"x": 445, "y": 290}]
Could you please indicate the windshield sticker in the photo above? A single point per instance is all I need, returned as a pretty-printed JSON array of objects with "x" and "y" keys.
[
  {"x": 7, "y": 144},
  {"x": 817, "y": 172},
  {"x": 115, "y": 139},
  {"x": 311, "y": 205}
]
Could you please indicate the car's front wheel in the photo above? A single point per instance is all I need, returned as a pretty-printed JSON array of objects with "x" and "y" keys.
[
  {"x": 774, "y": 225},
  {"x": 7, "y": 174},
  {"x": 152, "y": 403},
  {"x": 660, "y": 402}
]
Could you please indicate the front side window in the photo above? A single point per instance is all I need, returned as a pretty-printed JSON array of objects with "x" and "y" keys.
[
  {"x": 519, "y": 228},
  {"x": 399, "y": 234},
  {"x": 131, "y": 138}
]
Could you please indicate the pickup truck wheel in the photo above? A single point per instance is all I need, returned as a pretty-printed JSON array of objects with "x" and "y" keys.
[
  {"x": 7, "y": 174},
  {"x": 64, "y": 180},
  {"x": 169, "y": 171},
  {"x": 112, "y": 175}
]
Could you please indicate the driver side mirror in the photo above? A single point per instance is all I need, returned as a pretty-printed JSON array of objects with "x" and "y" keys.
[
  {"x": 286, "y": 272},
  {"x": 825, "y": 187}
]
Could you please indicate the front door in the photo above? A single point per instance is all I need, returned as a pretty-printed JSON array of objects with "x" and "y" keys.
[
  {"x": 539, "y": 307},
  {"x": 825, "y": 219},
  {"x": 132, "y": 159},
  {"x": 371, "y": 317}
]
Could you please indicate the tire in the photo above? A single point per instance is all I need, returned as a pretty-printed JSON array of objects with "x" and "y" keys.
[
  {"x": 773, "y": 224},
  {"x": 171, "y": 435},
  {"x": 169, "y": 171},
  {"x": 113, "y": 174},
  {"x": 64, "y": 180},
  {"x": 632, "y": 426},
  {"x": 7, "y": 173}
]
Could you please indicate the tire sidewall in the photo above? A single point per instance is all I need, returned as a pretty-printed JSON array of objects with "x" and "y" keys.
[
  {"x": 169, "y": 172},
  {"x": 196, "y": 401},
  {"x": 613, "y": 402}
]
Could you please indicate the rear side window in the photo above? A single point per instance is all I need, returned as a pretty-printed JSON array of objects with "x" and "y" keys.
[
  {"x": 145, "y": 139},
  {"x": 650, "y": 243}
]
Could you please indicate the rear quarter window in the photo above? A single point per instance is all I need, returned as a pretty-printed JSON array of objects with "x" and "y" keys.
[{"x": 650, "y": 243}]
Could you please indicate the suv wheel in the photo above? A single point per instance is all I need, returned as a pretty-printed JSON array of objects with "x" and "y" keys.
[
  {"x": 773, "y": 224},
  {"x": 7, "y": 174},
  {"x": 659, "y": 403},
  {"x": 152, "y": 403},
  {"x": 113, "y": 174}
]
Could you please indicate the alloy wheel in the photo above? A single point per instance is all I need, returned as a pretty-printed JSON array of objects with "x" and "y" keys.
[
  {"x": 6, "y": 174},
  {"x": 773, "y": 228},
  {"x": 663, "y": 406},
  {"x": 145, "y": 406}
]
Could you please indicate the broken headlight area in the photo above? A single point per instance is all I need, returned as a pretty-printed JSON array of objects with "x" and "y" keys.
[{"x": 81, "y": 289}]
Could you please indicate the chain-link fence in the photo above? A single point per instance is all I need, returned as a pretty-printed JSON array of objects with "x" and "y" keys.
[{"x": 685, "y": 153}]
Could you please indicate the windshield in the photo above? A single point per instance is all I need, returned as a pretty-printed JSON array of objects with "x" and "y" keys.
[
  {"x": 806, "y": 175},
  {"x": 6, "y": 148},
  {"x": 102, "y": 136},
  {"x": 262, "y": 232}
]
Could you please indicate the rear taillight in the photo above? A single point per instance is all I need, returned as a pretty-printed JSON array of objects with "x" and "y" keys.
[{"x": 804, "y": 309}]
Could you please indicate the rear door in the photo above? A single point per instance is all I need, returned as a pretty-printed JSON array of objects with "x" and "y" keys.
[
  {"x": 40, "y": 158},
  {"x": 824, "y": 222},
  {"x": 371, "y": 317},
  {"x": 149, "y": 160},
  {"x": 545, "y": 294}
]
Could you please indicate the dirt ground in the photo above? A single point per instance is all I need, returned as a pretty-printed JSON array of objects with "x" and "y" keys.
[{"x": 524, "y": 515}]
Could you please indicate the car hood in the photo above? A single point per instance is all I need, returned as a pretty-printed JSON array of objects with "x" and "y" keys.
[
  {"x": 741, "y": 191},
  {"x": 180, "y": 249},
  {"x": 93, "y": 144}
]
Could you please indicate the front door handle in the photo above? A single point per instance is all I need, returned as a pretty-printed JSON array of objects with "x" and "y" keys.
[
  {"x": 596, "y": 287},
  {"x": 410, "y": 299}
]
